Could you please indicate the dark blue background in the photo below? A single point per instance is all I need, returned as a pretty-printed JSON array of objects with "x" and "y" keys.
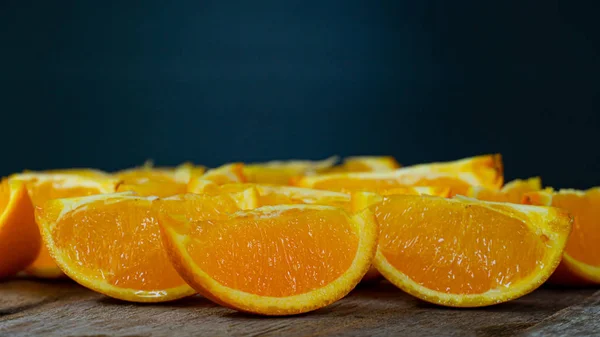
[{"x": 110, "y": 85}]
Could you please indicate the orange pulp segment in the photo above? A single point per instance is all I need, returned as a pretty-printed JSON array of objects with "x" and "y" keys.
[
  {"x": 161, "y": 182},
  {"x": 279, "y": 172},
  {"x": 270, "y": 195},
  {"x": 370, "y": 164},
  {"x": 228, "y": 173},
  {"x": 111, "y": 244},
  {"x": 273, "y": 260},
  {"x": 464, "y": 252},
  {"x": 43, "y": 186},
  {"x": 581, "y": 260},
  {"x": 459, "y": 175},
  {"x": 511, "y": 192},
  {"x": 19, "y": 235}
]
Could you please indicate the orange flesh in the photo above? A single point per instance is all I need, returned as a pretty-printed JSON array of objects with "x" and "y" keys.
[
  {"x": 456, "y": 248},
  {"x": 282, "y": 254},
  {"x": 583, "y": 242},
  {"x": 281, "y": 199},
  {"x": 275, "y": 176},
  {"x": 42, "y": 192},
  {"x": 155, "y": 188},
  {"x": 118, "y": 242},
  {"x": 4, "y": 195},
  {"x": 381, "y": 185},
  {"x": 142, "y": 176},
  {"x": 514, "y": 195}
]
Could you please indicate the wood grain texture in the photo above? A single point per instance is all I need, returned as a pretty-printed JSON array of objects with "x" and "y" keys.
[{"x": 33, "y": 308}]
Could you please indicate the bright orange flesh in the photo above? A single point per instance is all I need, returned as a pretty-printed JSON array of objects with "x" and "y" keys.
[
  {"x": 273, "y": 260},
  {"x": 455, "y": 248},
  {"x": 280, "y": 172},
  {"x": 276, "y": 255},
  {"x": 154, "y": 188},
  {"x": 465, "y": 252},
  {"x": 269, "y": 195},
  {"x": 117, "y": 242},
  {"x": 583, "y": 242},
  {"x": 41, "y": 192},
  {"x": 226, "y": 174},
  {"x": 4, "y": 194},
  {"x": 19, "y": 235},
  {"x": 112, "y": 244},
  {"x": 485, "y": 171},
  {"x": 582, "y": 247},
  {"x": 60, "y": 184},
  {"x": 512, "y": 192}
]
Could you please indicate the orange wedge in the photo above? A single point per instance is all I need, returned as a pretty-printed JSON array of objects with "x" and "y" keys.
[
  {"x": 111, "y": 244},
  {"x": 581, "y": 260},
  {"x": 463, "y": 252},
  {"x": 226, "y": 174},
  {"x": 459, "y": 175},
  {"x": 270, "y": 195},
  {"x": 161, "y": 182},
  {"x": 279, "y": 172},
  {"x": 511, "y": 192},
  {"x": 19, "y": 235},
  {"x": 43, "y": 186},
  {"x": 273, "y": 260},
  {"x": 367, "y": 164}
]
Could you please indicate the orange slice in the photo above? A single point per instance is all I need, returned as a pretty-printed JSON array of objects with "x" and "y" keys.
[
  {"x": 581, "y": 260},
  {"x": 367, "y": 164},
  {"x": 226, "y": 174},
  {"x": 111, "y": 244},
  {"x": 273, "y": 260},
  {"x": 511, "y": 192},
  {"x": 161, "y": 182},
  {"x": 467, "y": 253},
  {"x": 459, "y": 175},
  {"x": 270, "y": 195},
  {"x": 280, "y": 172},
  {"x": 19, "y": 235},
  {"x": 43, "y": 186}
]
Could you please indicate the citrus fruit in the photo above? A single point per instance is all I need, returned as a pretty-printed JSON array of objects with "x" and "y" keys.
[
  {"x": 43, "y": 186},
  {"x": 273, "y": 260},
  {"x": 269, "y": 195},
  {"x": 225, "y": 174},
  {"x": 581, "y": 260},
  {"x": 467, "y": 253},
  {"x": 367, "y": 164},
  {"x": 161, "y": 181},
  {"x": 19, "y": 235},
  {"x": 111, "y": 243},
  {"x": 279, "y": 172},
  {"x": 511, "y": 192},
  {"x": 459, "y": 175}
]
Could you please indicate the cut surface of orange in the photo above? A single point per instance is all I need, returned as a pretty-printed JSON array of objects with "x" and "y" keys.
[
  {"x": 43, "y": 186},
  {"x": 279, "y": 172},
  {"x": 226, "y": 174},
  {"x": 370, "y": 164},
  {"x": 158, "y": 181},
  {"x": 486, "y": 171},
  {"x": 19, "y": 235},
  {"x": 511, "y": 192},
  {"x": 273, "y": 260},
  {"x": 581, "y": 260},
  {"x": 270, "y": 195},
  {"x": 467, "y": 253},
  {"x": 111, "y": 243}
]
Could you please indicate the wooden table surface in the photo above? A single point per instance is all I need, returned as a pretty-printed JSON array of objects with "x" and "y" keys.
[{"x": 63, "y": 308}]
